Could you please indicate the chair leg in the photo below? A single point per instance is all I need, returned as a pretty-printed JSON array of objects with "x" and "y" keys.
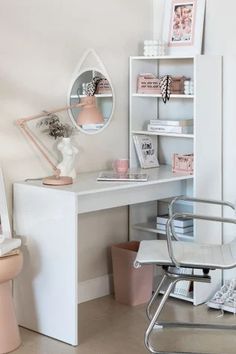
[
  {"x": 173, "y": 278},
  {"x": 154, "y": 296},
  {"x": 156, "y": 315}
]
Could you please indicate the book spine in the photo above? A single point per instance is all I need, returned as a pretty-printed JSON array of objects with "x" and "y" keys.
[
  {"x": 178, "y": 223},
  {"x": 178, "y": 123},
  {"x": 183, "y": 230},
  {"x": 182, "y": 287},
  {"x": 178, "y": 230},
  {"x": 169, "y": 129}
]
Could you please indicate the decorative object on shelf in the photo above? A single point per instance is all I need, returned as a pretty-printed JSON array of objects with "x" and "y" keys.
[
  {"x": 188, "y": 87},
  {"x": 177, "y": 84},
  {"x": 91, "y": 79},
  {"x": 104, "y": 87},
  {"x": 149, "y": 84},
  {"x": 183, "y": 163},
  {"x": 91, "y": 87},
  {"x": 165, "y": 85},
  {"x": 121, "y": 165},
  {"x": 154, "y": 48},
  {"x": 183, "y": 26},
  {"x": 146, "y": 151},
  {"x": 122, "y": 177},
  {"x": 56, "y": 128}
]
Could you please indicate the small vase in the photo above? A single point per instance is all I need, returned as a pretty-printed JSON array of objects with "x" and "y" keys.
[{"x": 69, "y": 152}]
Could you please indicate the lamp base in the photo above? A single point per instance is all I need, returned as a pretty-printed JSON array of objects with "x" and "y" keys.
[{"x": 57, "y": 181}]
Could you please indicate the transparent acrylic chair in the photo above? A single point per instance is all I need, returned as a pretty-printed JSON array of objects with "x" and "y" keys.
[{"x": 174, "y": 253}]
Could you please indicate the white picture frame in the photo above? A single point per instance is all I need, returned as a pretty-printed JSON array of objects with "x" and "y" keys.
[
  {"x": 146, "y": 150},
  {"x": 183, "y": 26}
]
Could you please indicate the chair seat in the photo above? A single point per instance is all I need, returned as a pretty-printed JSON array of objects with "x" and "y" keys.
[{"x": 188, "y": 254}]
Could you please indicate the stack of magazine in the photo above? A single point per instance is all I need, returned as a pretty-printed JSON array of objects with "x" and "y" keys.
[
  {"x": 181, "y": 126},
  {"x": 183, "y": 227}
]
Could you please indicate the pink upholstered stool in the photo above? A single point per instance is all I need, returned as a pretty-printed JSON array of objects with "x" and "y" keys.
[{"x": 10, "y": 267}]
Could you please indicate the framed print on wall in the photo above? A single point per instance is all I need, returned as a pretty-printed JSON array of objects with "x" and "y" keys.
[{"x": 183, "y": 26}]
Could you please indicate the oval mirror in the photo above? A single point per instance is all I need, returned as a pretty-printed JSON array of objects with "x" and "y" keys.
[{"x": 94, "y": 91}]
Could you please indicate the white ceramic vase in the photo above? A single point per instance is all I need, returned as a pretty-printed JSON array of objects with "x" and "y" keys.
[{"x": 69, "y": 152}]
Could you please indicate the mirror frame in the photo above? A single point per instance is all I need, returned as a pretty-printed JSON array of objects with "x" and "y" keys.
[{"x": 79, "y": 71}]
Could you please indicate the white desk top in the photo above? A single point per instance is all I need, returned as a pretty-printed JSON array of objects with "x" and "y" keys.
[{"x": 87, "y": 183}]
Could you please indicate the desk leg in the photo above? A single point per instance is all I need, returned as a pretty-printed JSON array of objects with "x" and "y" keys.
[{"x": 46, "y": 292}]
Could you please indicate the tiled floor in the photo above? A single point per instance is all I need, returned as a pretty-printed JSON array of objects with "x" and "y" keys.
[{"x": 110, "y": 328}]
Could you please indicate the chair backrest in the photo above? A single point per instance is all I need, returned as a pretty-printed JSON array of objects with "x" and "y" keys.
[{"x": 4, "y": 213}]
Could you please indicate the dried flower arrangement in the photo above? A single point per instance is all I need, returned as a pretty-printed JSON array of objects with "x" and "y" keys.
[{"x": 54, "y": 127}]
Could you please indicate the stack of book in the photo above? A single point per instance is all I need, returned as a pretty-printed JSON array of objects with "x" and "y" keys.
[
  {"x": 183, "y": 287},
  {"x": 183, "y": 227},
  {"x": 181, "y": 126}
]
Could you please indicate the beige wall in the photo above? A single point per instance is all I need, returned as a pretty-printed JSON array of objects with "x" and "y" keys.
[{"x": 41, "y": 43}]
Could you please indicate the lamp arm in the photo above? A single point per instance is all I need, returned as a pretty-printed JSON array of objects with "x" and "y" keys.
[
  {"x": 22, "y": 123},
  {"x": 36, "y": 116},
  {"x": 26, "y": 130}
]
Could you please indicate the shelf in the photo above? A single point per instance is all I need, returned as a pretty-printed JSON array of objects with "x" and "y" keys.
[
  {"x": 97, "y": 96},
  {"x": 159, "y": 95},
  {"x": 151, "y": 227},
  {"x": 176, "y": 135},
  {"x": 180, "y": 297},
  {"x": 162, "y": 57},
  {"x": 147, "y": 105}
]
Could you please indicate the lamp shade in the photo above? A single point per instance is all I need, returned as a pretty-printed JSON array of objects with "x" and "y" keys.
[{"x": 89, "y": 113}]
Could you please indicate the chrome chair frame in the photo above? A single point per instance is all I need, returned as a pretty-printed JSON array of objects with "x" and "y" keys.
[{"x": 173, "y": 278}]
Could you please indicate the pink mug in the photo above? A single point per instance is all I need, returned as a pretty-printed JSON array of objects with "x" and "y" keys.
[{"x": 121, "y": 165}]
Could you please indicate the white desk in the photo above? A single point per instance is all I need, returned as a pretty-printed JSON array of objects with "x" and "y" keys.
[{"x": 46, "y": 292}]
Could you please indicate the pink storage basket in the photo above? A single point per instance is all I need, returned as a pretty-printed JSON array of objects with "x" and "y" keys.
[
  {"x": 150, "y": 84},
  {"x": 103, "y": 87},
  {"x": 177, "y": 84},
  {"x": 183, "y": 163}
]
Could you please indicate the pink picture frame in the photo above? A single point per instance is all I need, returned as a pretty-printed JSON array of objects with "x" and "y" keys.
[
  {"x": 182, "y": 23},
  {"x": 183, "y": 26}
]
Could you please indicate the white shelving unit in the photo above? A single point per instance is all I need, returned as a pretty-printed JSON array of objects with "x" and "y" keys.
[
  {"x": 145, "y": 132},
  {"x": 205, "y": 108}
]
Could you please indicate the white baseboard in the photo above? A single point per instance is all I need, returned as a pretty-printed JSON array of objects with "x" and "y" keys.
[{"x": 95, "y": 288}]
